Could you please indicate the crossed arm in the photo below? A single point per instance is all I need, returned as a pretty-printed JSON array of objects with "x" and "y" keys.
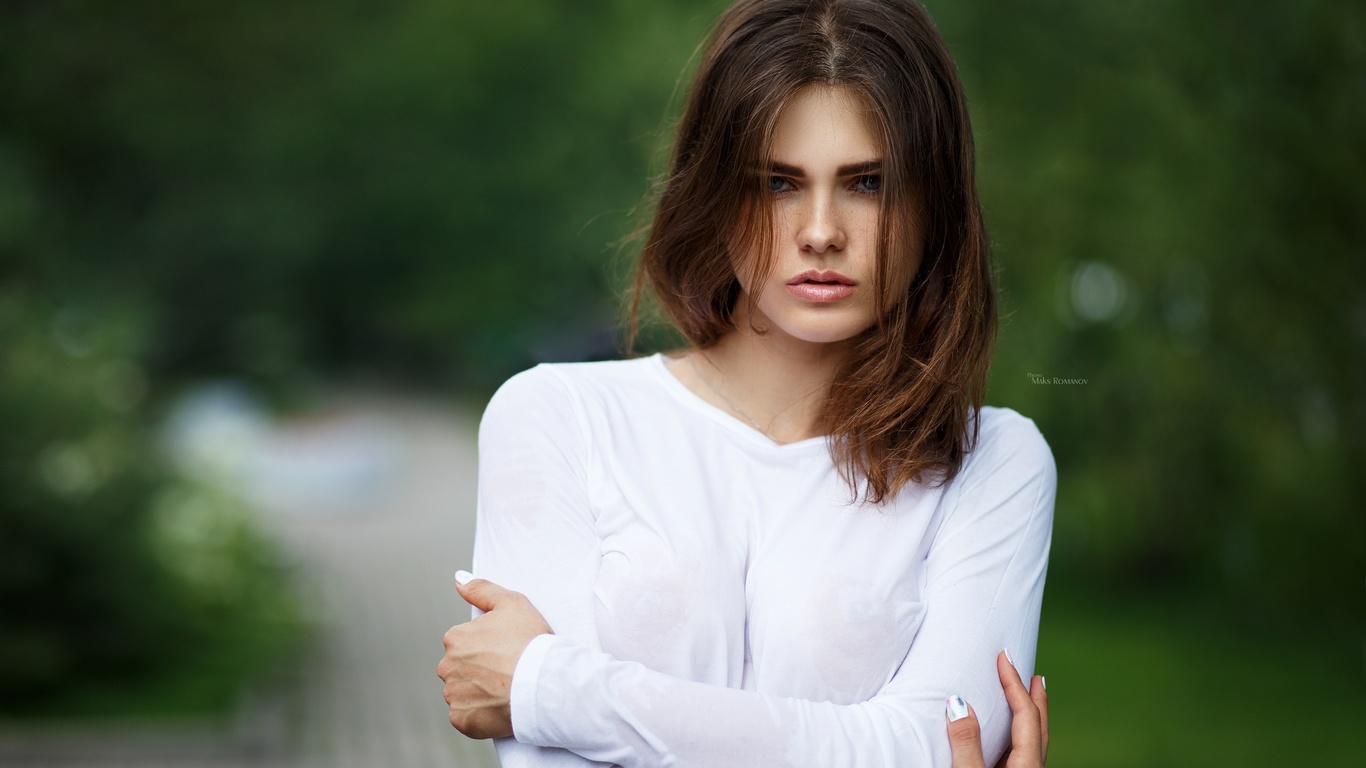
[
  {"x": 568, "y": 703},
  {"x": 477, "y": 692}
]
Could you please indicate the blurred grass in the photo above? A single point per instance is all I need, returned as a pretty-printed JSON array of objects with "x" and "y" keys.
[
  {"x": 208, "y": 685},
  {"x": 1168, "y": 681}
]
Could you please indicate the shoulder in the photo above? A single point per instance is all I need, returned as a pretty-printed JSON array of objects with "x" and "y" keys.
[
  {"x": 1007, "y": 429},
  {"x": 559, "y": 380},
  {"x": 1007, "y": 484},
  {"x": 1010, "y": 448},
  {"x": 550, "y": 392}
]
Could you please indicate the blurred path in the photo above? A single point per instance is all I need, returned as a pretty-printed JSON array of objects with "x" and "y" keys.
[
  {"x": 381, "y": 559},
  {"x": 375, "y": 497}
]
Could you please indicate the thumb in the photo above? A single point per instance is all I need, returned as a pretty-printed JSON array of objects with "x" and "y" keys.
[
  {"x": 480, "y": 593},
  {"x": 965, "y": 736}
]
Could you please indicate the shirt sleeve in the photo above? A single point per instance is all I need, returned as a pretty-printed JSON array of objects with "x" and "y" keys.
[
  {"x": 534, "y": 525},
  {"x": 984, "y": 590}
]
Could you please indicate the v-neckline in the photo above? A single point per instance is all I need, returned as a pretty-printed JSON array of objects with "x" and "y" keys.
[{"x": 745, "y": 430}]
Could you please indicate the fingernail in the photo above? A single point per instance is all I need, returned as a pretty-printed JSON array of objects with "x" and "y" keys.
[
  {"x": 1043, "y": 681},
  {"x": 957, "y": 708},
  {"x": 1012, "y": 661},
  {"x": 463, "y": 577}
]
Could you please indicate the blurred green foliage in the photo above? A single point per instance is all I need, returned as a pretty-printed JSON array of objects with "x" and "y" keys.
[
  {"x": 114, "y": 575},
  {"x": 432, "y": 190},
  {"x": 422, "y": 186},
  {"x": 1175, "y": 191}
]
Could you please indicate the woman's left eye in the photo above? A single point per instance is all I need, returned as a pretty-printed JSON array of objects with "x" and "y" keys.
[
  {"x": 777, "y": 184},
  {"x": 869, "y": 183}
]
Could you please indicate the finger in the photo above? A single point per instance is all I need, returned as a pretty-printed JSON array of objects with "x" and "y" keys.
[
  {"x": 965, "y": 736},
  {"x": 1025, "y": 730},
  {"x": 480, "y": 593},
  {"x": 1014, "y": 687},
  {"x": 1038, "y": 691}
]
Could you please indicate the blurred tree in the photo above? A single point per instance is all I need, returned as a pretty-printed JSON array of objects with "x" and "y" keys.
[
  {"x": 1175, "y": 193},
  {"x": 423, "y": 186},
  {"x": 111, "y": 572}
]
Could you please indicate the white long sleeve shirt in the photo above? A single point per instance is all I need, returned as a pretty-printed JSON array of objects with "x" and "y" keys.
[{"x": 717, "y": 601}]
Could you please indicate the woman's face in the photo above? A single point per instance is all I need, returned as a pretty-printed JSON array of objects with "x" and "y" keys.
[{"x": 825, "y": 187}]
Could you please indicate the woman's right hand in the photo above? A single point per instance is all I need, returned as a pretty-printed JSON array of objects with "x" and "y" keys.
[{"x": 1028, "y": 724}]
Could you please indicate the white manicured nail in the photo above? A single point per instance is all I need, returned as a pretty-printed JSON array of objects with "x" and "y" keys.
[
  {"x": 1012, "y": 661},
  {"x": 958, "y": 709},
  {"x": 1043, "y": 681},
  {"x": 463, "y": 577}
]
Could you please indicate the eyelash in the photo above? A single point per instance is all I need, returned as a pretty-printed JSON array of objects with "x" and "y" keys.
[
  {"x": 875, "y": 177},
  {"x": 857, "y": 181}
]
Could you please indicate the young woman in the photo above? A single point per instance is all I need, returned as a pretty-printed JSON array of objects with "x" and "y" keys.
[{"x": 792, "y": 542}]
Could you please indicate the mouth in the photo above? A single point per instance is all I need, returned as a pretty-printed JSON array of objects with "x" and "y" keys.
[
  {"x": 821, "y": 277},
  {"x": 821, "y": 287}
]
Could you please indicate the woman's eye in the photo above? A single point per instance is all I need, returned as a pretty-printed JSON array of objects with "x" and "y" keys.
[
  {"x": 868, "y": 183},
  {"x": 778, "y": 184}
]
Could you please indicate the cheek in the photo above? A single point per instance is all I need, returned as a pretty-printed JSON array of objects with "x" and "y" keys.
[
  {"x": 744, "y": 270},
  {"x": 902, "y": 276},
  {"x": 746, "y": 262},
  {"x": 866, "y": 222}
]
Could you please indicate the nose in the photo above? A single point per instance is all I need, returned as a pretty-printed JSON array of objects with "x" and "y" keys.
[{"x": 821, "y": 227}]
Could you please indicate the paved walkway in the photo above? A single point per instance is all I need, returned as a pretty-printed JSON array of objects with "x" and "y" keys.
[
  {"x": 376, "y": 499},
  {"x": 384, "y": 568}
]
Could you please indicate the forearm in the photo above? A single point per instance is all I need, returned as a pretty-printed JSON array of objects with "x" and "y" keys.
[{"x": 608, "y": 710}]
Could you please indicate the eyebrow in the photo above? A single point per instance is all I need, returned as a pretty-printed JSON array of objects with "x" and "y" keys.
[{"x": 852, "y": 169}]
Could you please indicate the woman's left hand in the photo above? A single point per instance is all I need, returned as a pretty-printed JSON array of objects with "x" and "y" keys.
[
  {"x": 481, "y": 655},
  {"x": 1028, "y": 723}
]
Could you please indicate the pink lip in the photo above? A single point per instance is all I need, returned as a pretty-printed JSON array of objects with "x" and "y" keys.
[
  {"x": 819, "y": 276},
  {"x": 820, "y": 291},
  {"x": 821, "y": 286}
]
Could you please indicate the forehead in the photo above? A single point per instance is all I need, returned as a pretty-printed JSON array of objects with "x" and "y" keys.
[{"x": 825, "y": 125}]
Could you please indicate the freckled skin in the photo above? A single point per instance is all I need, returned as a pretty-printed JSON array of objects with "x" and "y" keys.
[{"x": 823, "y": 220}]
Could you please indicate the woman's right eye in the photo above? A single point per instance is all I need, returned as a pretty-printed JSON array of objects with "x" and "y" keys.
[{"x": 778, "y": 184}]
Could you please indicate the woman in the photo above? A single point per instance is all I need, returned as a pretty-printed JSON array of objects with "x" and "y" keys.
[{"x": 792, "y": 542}]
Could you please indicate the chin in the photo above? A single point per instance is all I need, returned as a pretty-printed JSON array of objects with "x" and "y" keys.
[
  {"x": 814, "y": 325},
  {"x": 817, "y": 332}
]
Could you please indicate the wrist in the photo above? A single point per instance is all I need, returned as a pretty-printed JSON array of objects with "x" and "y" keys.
[{"x": 524, "y": 691}]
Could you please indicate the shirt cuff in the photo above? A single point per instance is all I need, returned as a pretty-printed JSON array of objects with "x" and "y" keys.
[{"x": 526, "y": 678}]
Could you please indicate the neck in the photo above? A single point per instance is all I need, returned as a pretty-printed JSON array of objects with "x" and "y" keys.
[{"x": 778, "y": 381}]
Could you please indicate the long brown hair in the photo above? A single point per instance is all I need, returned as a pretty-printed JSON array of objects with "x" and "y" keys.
[{"x": 900, "y": 410}]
